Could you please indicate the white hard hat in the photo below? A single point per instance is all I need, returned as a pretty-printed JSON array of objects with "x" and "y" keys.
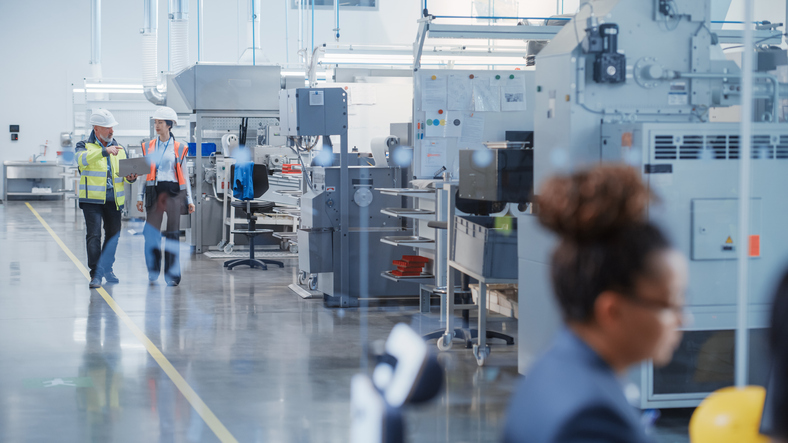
[
  {"x": 103, "y": 118},
  {"x": 166, "y": 113}
]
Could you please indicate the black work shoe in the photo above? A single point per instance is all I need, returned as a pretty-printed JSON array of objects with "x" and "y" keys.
[
  {"x": 95, "y": 282},
  {"x": 110, "y": 277}
]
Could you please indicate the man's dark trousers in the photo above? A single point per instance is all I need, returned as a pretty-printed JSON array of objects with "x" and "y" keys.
[{"x": 101, "y": 258}]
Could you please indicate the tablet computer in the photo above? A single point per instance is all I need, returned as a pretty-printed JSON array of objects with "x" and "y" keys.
[{"x": 137, "y": 166}]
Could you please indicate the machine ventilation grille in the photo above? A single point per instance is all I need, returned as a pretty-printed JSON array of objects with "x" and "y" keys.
[
  {"x": 692, "y": 147},
  {"x": 781, "y": 150},
  {"x": 762, "y": 147},
  {"x": 733, "y": 147},
  {"x": 717, "y": 147},
  {"x": 664, "y": 149}
]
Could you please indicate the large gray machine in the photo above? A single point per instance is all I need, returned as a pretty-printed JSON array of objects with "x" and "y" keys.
[
  {"x": 633, "y": 81},
  {"x": 341, "y": 220},
  {"x": 319, "y": 251},
  {"x": 219, "y": 97}
]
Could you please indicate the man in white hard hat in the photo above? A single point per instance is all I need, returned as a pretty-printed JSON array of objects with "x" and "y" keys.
[{"x": 101, "y": 194}]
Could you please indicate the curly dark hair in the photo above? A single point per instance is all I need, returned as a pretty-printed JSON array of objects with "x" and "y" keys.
[
  {"x": 778, "y": 341},
  {"x": 606, "y": 240}
]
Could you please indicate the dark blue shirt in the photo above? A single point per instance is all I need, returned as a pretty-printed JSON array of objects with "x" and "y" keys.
[
  {"x": 110, "y": 184},
  {"x": 571, "y": 395}
]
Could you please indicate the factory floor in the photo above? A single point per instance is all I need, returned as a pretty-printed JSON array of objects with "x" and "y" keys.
[{"x": 226, "y": 355}]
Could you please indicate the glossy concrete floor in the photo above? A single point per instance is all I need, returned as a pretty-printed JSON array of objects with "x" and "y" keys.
[{"x": 271, "y": 366}]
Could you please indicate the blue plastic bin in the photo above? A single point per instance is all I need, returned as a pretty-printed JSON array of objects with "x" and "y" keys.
[{"x": 207, "y": 149}]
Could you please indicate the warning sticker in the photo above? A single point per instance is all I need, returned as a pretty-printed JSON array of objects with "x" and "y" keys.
[
  {"x": 728, "y": 245},
  {"x": 678, "y": 95}
]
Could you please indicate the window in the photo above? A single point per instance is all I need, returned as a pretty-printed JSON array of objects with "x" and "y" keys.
[{"x": 324, "y": 4}]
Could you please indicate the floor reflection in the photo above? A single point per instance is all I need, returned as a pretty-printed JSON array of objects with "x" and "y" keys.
[{"x": 101, "y": 402}]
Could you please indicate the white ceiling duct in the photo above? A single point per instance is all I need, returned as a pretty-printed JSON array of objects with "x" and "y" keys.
[
  {"x": 253, "y": 54},
  {"x": 95, "y": 38},
  {"x": 150, "y": 71}
]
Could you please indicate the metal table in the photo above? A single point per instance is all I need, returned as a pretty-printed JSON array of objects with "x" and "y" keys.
[
  {"x": 480, "y": 350},
  {"x": 17, "y": 172}
]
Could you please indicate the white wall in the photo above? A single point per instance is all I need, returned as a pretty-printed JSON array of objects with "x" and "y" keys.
[{"x": 46, "y": 46}]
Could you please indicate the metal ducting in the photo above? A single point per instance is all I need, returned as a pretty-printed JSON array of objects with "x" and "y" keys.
[
  {"x": 179, "y": 34},
  {"x": 95, "y": 37},
  {"x": 150, "y": 69}
]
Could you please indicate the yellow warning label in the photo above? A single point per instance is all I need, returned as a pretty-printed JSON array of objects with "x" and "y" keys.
[{"x": 729, "y": 241}]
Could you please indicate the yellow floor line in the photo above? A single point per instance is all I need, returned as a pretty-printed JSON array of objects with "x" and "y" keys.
[{"x": 210, "y": 419}]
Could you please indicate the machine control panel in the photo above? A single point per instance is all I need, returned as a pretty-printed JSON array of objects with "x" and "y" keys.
[{"x": 715, "y": 229}]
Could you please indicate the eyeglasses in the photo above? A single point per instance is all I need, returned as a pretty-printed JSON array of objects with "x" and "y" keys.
[{"x": 681, "y": 311}]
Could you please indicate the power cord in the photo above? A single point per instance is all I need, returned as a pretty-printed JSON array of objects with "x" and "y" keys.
[
  {"x": 580, "y": 8},
  {"x": 757, "y": 42}
]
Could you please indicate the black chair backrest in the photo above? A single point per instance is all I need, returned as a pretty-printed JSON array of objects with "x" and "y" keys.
[{"x": 259, "y": 178}]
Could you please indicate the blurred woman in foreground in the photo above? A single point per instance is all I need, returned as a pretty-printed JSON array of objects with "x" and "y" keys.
[{"x": 620, "y": 287}]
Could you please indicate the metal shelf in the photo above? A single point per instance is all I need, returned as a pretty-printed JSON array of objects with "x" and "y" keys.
[
  {"x": 423, "y": 279},
  {"x": 409, "y": 241},
  {"x": 425, "y": 193},
  {"x": 285, "y": 235},
  {"x": 419, "y": 214},
  {"x": 292, "y": 212},
  {"x": 34, "y": 194},
  {"x": 289, "y": 193}
]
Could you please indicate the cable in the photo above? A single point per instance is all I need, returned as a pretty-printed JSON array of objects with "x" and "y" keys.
[
  {"x": 759, "y": 41},
  {"x": 580, "y": 8},
  {"x": 702, "y": 26},
  {"x": 303, "y": 169},
  {"x": 673, "y": 12}
]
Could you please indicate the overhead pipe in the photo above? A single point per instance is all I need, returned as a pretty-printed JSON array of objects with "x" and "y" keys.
[
  {"x": 179, "y": 28},
  {"x": 150, "y": 53},
  {"x": 301, "y": 54},
  {"x": 252, "y": 33},
  {"x": 95, "y": 37},
  {"x": 199, "y": 31},
  {"x": 287, "y": 31},
  {"x": 336, "y": 20}
]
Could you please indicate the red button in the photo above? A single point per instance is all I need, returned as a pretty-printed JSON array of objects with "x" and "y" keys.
[{"x": 440, "y": 111}]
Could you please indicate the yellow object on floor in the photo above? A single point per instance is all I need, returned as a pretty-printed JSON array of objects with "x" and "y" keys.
[{"x": 729, "y": 415}]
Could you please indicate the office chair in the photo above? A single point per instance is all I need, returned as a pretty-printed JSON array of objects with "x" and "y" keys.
[{"x": 260, "y": 181}]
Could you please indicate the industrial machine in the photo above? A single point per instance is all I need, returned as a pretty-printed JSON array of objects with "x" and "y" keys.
[
  {"x": 223, "y": 100},
  {"x": 607, "y": 92},
  {"x": 341, "y": 219}
]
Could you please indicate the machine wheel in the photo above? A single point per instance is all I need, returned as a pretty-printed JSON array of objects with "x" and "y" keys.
[
  {"x": 228, "y": 249},
  {"x": 283, "y": 245},
  {"x": 312, "y": 282},
  {"x": 221, "y": 244},
  {"x": 302, "y": 276},
  {"x": 293, "y": 248},
  {"x": 481, "y": 355},
  {"x": 444, "y": 343}
]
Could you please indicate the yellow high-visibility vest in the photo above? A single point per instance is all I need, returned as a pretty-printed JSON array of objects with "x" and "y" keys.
[{"x": 93, "y": 175}]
